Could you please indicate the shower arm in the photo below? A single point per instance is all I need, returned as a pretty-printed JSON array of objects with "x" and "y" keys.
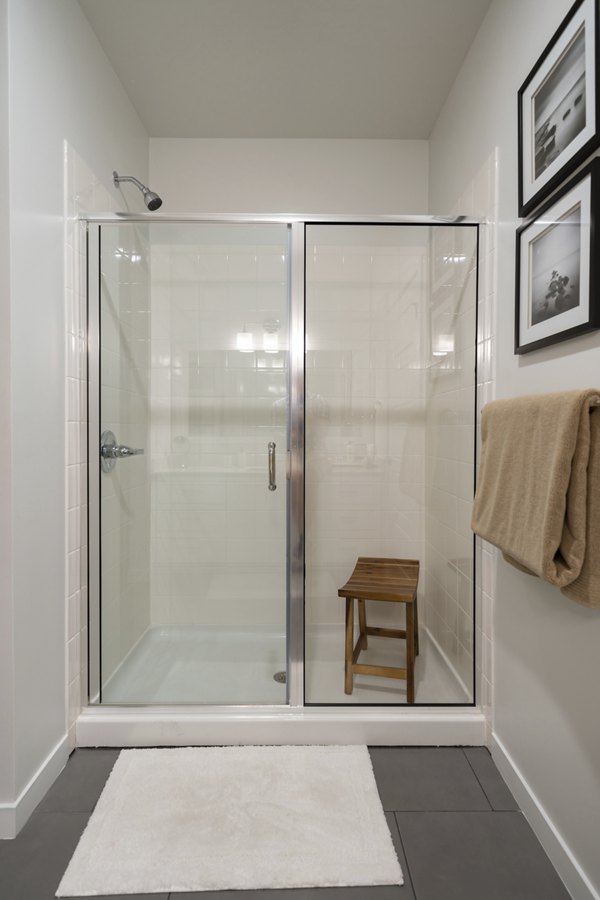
[
  {"x": 117, "y": 179},
  {"x": 151, "y": 199}
]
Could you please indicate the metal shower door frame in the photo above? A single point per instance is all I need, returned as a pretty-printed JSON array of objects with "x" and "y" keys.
[
  {"x": 295, "y": 449},
  {"x": 93, "y": 461}
]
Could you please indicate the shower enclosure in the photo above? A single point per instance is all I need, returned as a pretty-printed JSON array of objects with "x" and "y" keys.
[{"x": 269, "y": 400}]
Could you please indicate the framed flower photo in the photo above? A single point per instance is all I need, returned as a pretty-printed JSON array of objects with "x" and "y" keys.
[
  {"x": 557, "y": 266},
  {"x": 559, "y": 107}
]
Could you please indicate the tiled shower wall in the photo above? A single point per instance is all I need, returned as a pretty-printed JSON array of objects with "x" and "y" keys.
[
  {"x": 480, "y": 200},
  {"x": 218, "y": 533},
  {"x": 389, "y": 389},
  {"x": 83, "y": 194},
  {"x": 125, "y": 494},
  {"x": 450, "y": 437},
  {"x": 365, "y": 406}
]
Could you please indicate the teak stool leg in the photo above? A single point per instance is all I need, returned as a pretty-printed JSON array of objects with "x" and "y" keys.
[
  {"x": 362, "y": 623},
  {"x": 410, "y": 653},
  {"x": 416, "y": 626},
  {"x": 348, "y": 683}
]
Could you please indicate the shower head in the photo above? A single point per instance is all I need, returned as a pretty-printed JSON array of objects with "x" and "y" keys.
[{"x": 151, "y": 199}]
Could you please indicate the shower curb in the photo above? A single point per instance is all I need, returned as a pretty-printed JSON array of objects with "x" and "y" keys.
[{"x": 160, "y": 727}]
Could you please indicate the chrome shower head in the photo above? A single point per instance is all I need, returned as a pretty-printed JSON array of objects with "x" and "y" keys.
[{"x": 152, "y": 200}]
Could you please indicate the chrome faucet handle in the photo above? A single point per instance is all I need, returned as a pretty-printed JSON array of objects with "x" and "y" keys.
[
  {"x": 119, "y": 451},
  {"x": 110, "y": 451}
]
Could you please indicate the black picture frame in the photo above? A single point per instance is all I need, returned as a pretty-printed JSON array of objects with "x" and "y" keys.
[
  {"x": 559, "y": 106},
  {"x": 557, "y": 266}
]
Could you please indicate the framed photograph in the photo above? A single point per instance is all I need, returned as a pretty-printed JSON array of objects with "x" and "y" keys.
[
  {"x": 559, "y": 107},
  {"x": 557, "y": 266}
]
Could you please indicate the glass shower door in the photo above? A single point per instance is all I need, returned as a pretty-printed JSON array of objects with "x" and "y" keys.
[{"x": 190, "y": 392}]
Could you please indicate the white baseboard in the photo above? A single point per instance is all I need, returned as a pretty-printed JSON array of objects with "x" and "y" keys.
[
  {"x": 563, "y": 860},
  {"x": 14, "y": 815}
]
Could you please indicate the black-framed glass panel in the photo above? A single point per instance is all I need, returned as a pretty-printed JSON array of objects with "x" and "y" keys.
[{"x": 391, "y": 316}]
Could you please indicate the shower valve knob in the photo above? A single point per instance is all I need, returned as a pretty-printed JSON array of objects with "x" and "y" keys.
[
  {"x": 121, "y": 452},
  {"x": 110, "y": 451}
]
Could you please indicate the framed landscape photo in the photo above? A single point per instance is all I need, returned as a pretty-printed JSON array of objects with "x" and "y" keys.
[
  {"x": 557, "y": 266},
  {"x": 559, "y": 107}
]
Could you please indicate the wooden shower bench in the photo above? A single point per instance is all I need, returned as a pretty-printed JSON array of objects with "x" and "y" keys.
[{"x": 391, "y": 581}]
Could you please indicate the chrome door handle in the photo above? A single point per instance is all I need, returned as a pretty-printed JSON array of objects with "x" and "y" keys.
[
  {"x": 272, "y": 472},
  {"x": 110, "y": 451}
]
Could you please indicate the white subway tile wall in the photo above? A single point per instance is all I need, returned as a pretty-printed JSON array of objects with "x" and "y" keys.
[
  {"x": 218, "y": 396},
  {"x": 365, "y": 408},
  {"x": 449, "y": 441},
  {"x": 390, "y": 433},
  {"x": 377, "y": 401},
  {"x": 480, "y": 199},
  {"x": 82, "y": 194},
  {"x": 124, "y": 410}
]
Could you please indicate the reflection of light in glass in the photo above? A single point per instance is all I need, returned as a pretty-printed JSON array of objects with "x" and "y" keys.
[
  {"x": 270, "y": 336},
  {"x": 443, "y": 344},
  {"x": 454, "y": 258},
  {"x": 244, "y": 341},
  {"x": 121, "y": 253},
  {"x": 270, "y": 342}
]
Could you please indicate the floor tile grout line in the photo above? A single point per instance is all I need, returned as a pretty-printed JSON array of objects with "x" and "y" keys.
[
  {"x": 62, "y": 812},
  {"x": 472, "y": 812},
  {"x": 408, "y": 872},
  {"x": 478, "y": 780}
]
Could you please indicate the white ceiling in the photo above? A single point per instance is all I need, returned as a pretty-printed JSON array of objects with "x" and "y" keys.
[{"x": 286, "y": 68}]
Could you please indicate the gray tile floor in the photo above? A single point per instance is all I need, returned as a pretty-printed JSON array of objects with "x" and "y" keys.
[{"x": 456, "y": 827}]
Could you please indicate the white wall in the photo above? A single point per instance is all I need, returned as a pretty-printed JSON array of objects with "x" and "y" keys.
[
  {"x": 546, "y": 662},
  {"x": 61, "y": 87},
  {"x": 6, "y": 610},
  {"x": 310, "y": 176}
]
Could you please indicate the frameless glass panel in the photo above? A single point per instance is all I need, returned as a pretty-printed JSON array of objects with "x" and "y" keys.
[
  {"x": 194, "y": 372},
  {"x": 390, "y": 398}
]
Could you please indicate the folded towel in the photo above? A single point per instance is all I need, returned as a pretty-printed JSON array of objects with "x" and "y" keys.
[{"x": 538, "y": 491}]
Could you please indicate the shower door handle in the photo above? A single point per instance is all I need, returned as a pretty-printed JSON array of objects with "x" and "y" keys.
[{"x": 272, "y": 472}]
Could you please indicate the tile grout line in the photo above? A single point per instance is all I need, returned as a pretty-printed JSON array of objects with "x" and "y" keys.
[
  {"x": 408, "y": 872},
  {"x": 469, "y": 812},
  {"x": 478, "y": 780}
]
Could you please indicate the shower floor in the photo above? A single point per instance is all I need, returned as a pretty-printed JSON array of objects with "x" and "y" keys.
[
  {"x": 199, "y": 664},
  {"x": 435, "y": 681},
  {"x": 217, "y": 665}
]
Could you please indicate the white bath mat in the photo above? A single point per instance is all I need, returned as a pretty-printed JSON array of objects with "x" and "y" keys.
[{"x": 226, "y": 818}]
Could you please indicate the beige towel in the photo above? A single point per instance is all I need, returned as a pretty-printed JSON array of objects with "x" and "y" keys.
[{"x": 538, "y": 492}]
